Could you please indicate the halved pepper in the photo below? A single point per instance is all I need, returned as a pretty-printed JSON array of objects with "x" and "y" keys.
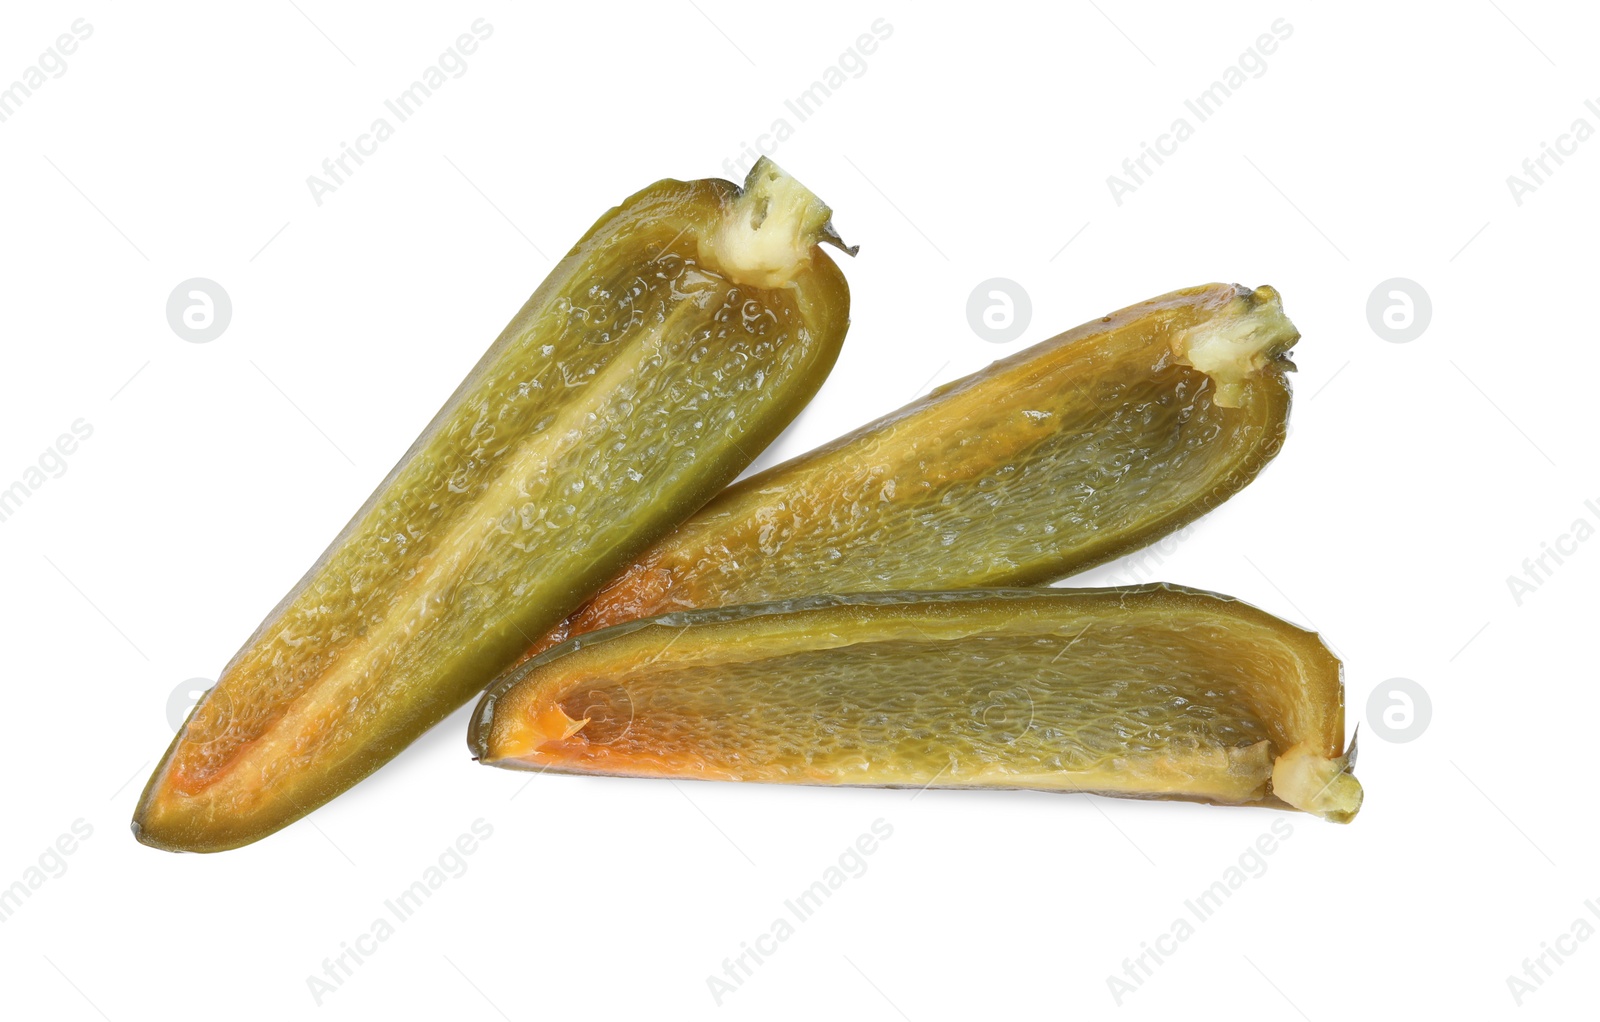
[
  {"x": 1064, "y": 456},
  {"x": 1147, "y": 691},
  {"x": 672, "y": 344}
]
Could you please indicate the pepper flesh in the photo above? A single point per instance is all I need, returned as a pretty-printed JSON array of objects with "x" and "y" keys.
[
  {"x": 672, "y": 344},
  {"x": 1062, "y": 457},
  {"x": 1145, "y": 691}
]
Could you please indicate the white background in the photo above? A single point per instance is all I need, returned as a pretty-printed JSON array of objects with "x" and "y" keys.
[{"x": 1419, "y": 476}]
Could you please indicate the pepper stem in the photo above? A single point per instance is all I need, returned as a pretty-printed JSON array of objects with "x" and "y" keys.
[
  {"x": 1234, "y": 346},
  {"x": 766, "y": 235},
  {"x": 1317, "y": 784}
]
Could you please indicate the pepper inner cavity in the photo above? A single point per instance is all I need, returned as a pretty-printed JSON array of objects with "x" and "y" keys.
[
  {"x": 1023, "y": 704},
  {"x": 431, "y": 549}
]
